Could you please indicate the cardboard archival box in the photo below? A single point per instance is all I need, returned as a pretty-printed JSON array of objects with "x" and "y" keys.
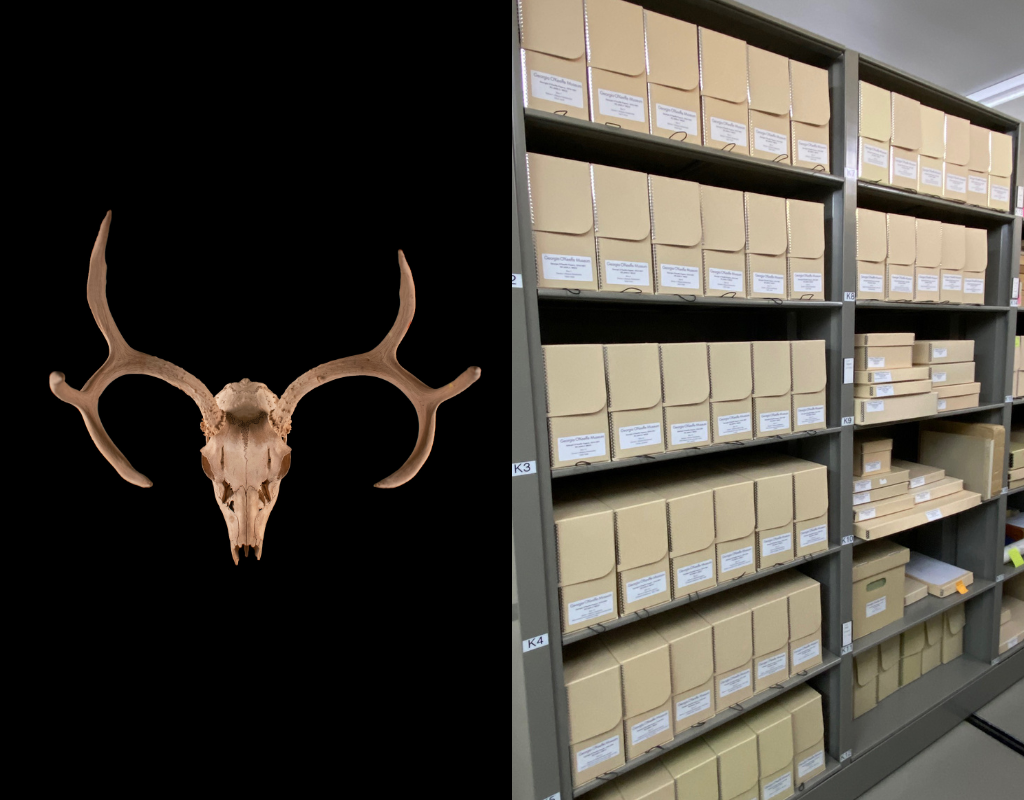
[
  {"x": 883, "y": 340},
  {"x": 882, "y": 508},
  {"x": 617, "y": 64},
  {"x": 593, "y": 685},
  {"x": 944, "y": 487},
  {"x": 875, "y": 133},
  {"x": 899, "y": 284},
  {"x": 778, "y": 786},
  {"x": 808, "y": 731},
  {"x": 954, "y": 621},
  {"x": 806, "y": 223},
  {"x": 732, "y": 387},
  {"x": 773, "y": 726},
  {"x": 906, "y": 142},
  {"x": 691, "y": 532},
  {"x": 927, "y": 285},
  {"x": 811, "y": 113},
  {"x": 951, "y": 287},
  {"x": 933, "y": 149},
  {"x": 677, "y": 235},
  {"x": 633, "y": 374},
  {"x": 773, "y": 494},
  {"x": 765, "y": 245},
  {"x": 999, "y": 193},
  {"x": 958, "y": 140},
  {"x": 694, "y": 766},
  {"x": 648, "y": 782},
  {"x": 972, "y": 458},
  {"x": 888, "y": 668},
  {"x": 943, "y": 580},
  {"x": 735, "y": 537},
  {"x": 1002, "y": 155},
  {"x": 929, "y": 243},
  {"x": 959, "y": 403},
  {"x": 977, "y": 188},
  {"x": 622, "y": 216},
  {"x": 878, "y": 574},
  {"x": 577, "y": 404},
  {"x": 769, "y": 105},
  {"x": 892, "y": 389},
  {"x": 993, "y": 433},
  {"x": 930, "y": 180},
  {"x": 884, "y": 481},
  {"x": 732, "y": 635},
  {"x": 1010, "y": 635},
  {"x": 883, "y": 358},
  {"x": 804, "y": 595},
  {"x": 910, "y": 669},
  {"x": 919, "y": 474},
  {"x": 920, "y": 514},
  {"x": 929, "y": 352},
  {"x": 865, "y": 682},
  {"x": 981, "y": 150},
  {"x": 587, "y": 585},
  {"x": 723, "y": 90},
  {"x": 775, "y": 546},
  {"x": 643, "y": 655},
  {"x": 641, "y": 531},
  {"x": 954, "y": 246},
  {"x": 872, "y": 237},
  {"x": 810, "y": 483},
  {"x": 863, "y": 445},
  {"x": 913, "y": 592},
  {"x": 892, "y": 409},
  {"x": 686, "y": 392},
  {"x": 811, "y": 536},
  {"x": 693, "y": 666},
  {"x": 722, "y": 217},
  {"x": 770, "y": 617},
  {"x": 891, "y": 491},
  {"x": 870, "y": 281},
  {"x": 906, "y": 375},
  {"x": 868, "y": 463},
  {"x": 958, "y": 390},
  {"x": 954, "y": 184},
  {"x": 952, "y": 374},
  {"x": 554, "y": 47},
  {"x": 736, "y": 748},
  {"x": 912, "y": 640},
  {"x": 772, "y": 381},
  {"x": 673, "y": 77},
  {"x": 810, "y": 380},
  {"x": 975, "y": 265},
  {"x": 562, "y": 206}
]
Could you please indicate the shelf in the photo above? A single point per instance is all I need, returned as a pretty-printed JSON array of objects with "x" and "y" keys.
[
  {"x": 828, "y": 662},
  {"x": 1012, "y": 492},
  {"x": 884, "y": 305},
  {"x": 943, "y": 415},
  {"x": 911, "y": 702},
  {"x": 1019, "y": 401},
  {"x": 1008, "y": 571},
  {"x": 729, "y": 447},
  {"x": 646, "y": 613},
  {"x": 919, "y": 612},
  {"x": 899, "y": 201},
  {"x": 857, "y": 541},
  {"x": 576, "y": 296}
]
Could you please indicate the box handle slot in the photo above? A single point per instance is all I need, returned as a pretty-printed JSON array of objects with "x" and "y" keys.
[{"x": 877, "y": 584}]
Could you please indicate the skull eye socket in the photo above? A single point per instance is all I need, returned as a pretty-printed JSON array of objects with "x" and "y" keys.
[
  {"x": 286, "y": 464},
  {"x": 207, "y": 469}
]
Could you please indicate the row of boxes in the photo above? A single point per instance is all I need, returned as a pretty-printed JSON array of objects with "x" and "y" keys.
[
  {"x": 654, "y": 235},
  {"x": 883, "y": 670},
  {"x": 738, "y": 761},
  {"x": 1018, "y": 368},
  {"x": 651, "y": 681},
  {"x": 911, "y": 146},
  {"x": 697, "y": 394},
  {"x": 1016, "y": 458},
  {"x": 625, "y": 545},
  {"x": 614, "y": 63},
  {"x": 904, "y": 259},
  {"x": 1011, "y": 620}
]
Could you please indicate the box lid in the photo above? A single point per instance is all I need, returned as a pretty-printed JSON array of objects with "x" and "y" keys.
[
  {"x": 958, "y": 141},
  {"x": 872, "y": 240},
  {"x": 593, "y": 683},
  {"x": 685, "y": 375},
  {"x": 690, "y": 647},
  {"x": 808, "y": 366},
  {"x": 1002, "y": 155},
  {"x": 731, "y": 371},
  {"x": 957, "y": 390},
  {"x": 875, "y": 113},
  {"x": 871, "y": 445},
  {"x": 772, "y": 374},
  {"x": 902, "y": 239},
  {"x": 585, "y": 533},
  {"x": 906, "y": 122},
  {"x": 676, "y": 206},
  {"x": 722, "y": 219},
  {"x": 809, "y": 87},
  {"x": 641, "y": 525},
  {"x": 622, "y": 204},
  {"x": 975, "y": 250},
  {"x": 981, "y": 149},
  {"x": 883, "y": 340},
  {"x": 615, "y": 36},
  {"x": 646, "y": 673},
  {"x": 933, "y": 133},
  {"x": 736, "y": 748},
  {"x": 916, "y": 471},
  {"x": 773, "y": 725},
  {"x": 865, "y": 666},
  {"x": 954, "y": 246},
  {"x": 874, "y": 557},
  {"x": 956, "y": 619},
  {"x": 723, "y": 66},
  {"x": 575, "y": 379},
  {"x": 554, "y": 27},
  {"x": 929, "y": 243},
  {"x": 806, "y": 223},
  {"x": 913, "y": 591},
  {"x": 560, "y": 195},
  {"x": 933, "y": 631},
  {"x": 889, "y": 654},
  {"x": 766, "y": 224},
  {"x": 672, "y": 52},
  {"x": 932, "y": 572},
  {"x": 769, "y": 81},
  {"x": 634, "y": 376}
]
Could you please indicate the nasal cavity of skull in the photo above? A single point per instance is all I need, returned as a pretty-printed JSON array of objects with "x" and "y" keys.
[
  {"x": 264, "y": 492},
  {"x": 227, "y": 494}
]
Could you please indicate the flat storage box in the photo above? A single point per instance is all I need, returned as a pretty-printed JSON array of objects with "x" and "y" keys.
[
  {"x": 577, "y": 404},
  {"x": 593, "y": 685},
  {"x": 908, "y": 375},
  {"x": 554, "y": 51},
  {"x": 875, "y": 133},
  {"x": 677, "y": 235},
  {"x": 984, "y": 449},
  {"x": 641, "y": 531},
  {"x": 878, "y": 575},
  {"x": 892, "y": 389},
  {"x": 806, "y": 222},
  {"x": 882, "y": 508},
  {"x": 673, "y": 78},
  {"x": 622, "y": 215},
  {"x": 634, "y": 399},
  {"x": 928, "y": 353},
  {"x": 811, "y": 113},
  {"x": 943, "y": 580},
  {"x": 883, "y": 340},
  {"x": 731, "y": 391},
  {"x": 951, "y": 374},
  {"x": 587, "y": 584},
  {"x": 810, "y": 381},
  {"x": 692, "y": 657},
  {"x": 884, "y": 481},
  {"x": 686, "y": 395},
  {"x": 562, "y": 207},
  {"x": 892, "y": 409},
  {"x": 921, "y": 514},
  {"x": 617, "y": 64},
  {"x": 913, "y": 591},
  {"x": 883, "y": 358},
  {"x": 919, "y": 474},
  {"x": 723, "y": 91},
  {"x": 725, "y": 237},
  {"x": 944, "y": 487},
  {"x": 769, "y": 105},
  {"x": 960, "y": 397},
  {"x": 865, "y": 682},
  {"x": 887, "y": 492}
]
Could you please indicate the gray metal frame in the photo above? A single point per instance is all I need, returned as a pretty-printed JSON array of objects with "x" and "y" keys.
[{"x": 917, "y": 716}]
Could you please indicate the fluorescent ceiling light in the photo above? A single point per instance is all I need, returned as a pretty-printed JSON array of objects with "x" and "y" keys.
[{"x": 1000, "y": 93}]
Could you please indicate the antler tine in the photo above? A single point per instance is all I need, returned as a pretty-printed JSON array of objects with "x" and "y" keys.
[
  {"x": 124, "y": 360},
  {"x": 382, "y": 362}
]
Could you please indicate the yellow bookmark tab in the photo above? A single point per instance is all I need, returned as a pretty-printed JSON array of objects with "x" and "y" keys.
[
  {"x": 960, "y": 587},
  {"x": 1015, "y": 557}
]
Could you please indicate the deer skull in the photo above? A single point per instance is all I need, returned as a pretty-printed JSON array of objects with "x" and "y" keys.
[{"x": 246, "y": 425}]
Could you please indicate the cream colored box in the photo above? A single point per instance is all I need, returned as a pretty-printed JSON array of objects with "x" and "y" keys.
[
  {"x": 593, "y": 685},
  {"x": 690, "y": 504},
  {"x": 765, "y": 245},
  {"x": 899, "y": 284},
  {"x": 906, "y": 142},
  {"x": 694, "y": 766},
  {"x": 686, "y": 395},
  {"x": 769, "y": 97},
  {"x": 677, "y": 235},
  {"x": 806, "y": 223},
  {"x": 554, "y": 49},
  {"x": 577, "y": 404},
  {"x": 865, "y": 682},
  {"x": 927, "y": 285},
  {"x": 772, "y": 389},
  {"x": 811, "y": 113},
  {"x": 954, "y": 184},
  {"x": 888, "y": 668},
  {"x": 875, "y": 133},
  {"x": 691, "y": 654},
  {"x": 933, "y": 150},
  {"x": 736, "y": 749},
  {"x": 878, "y": 575},
  {"x": 617, "y": 64},
  {"x": 622, "y": 214},
  {"x": 587, "y": 576},
  {"x": 634, "y": 399},
  {"x": 641, "y": 543},
  {"x": 673, "y": 77},
  {"x": 810, "y": 383},
  {"x": 731, "y": 391},
  {"x": 722, "y": 215},
  {"x": 723, "y": 90}
]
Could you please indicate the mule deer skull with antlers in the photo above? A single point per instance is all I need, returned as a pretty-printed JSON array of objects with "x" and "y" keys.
[{"x": 247, "y": 425}]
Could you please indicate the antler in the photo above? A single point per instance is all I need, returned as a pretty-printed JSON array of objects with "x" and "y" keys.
[
  {"x": 123, "y": 360},
  {"x": 382, "y": 362}
]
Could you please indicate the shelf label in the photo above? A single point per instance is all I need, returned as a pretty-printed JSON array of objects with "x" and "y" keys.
[
  {"x": 1000, "y": 578},
  {"x": 846, "y": 756},
  {"x": 848, "y": 371},
  {"x": 524, "y": 468},
  {"x": 850, "y": 297},
  {"x": 555, "y": 796},
  {"x": 848, "y": 540},
  {"x": 536, "y": 643},
  {"x": 848, "y": 422},
  {"x": 847, "y": 634},
  {"x": 846, "y": 650},
  {"x": 1006, "y": 490},
  {"x": 517, "y": 281},
  {"x": 851, "y": 173},
  {"x": 1009, "y": 398}
]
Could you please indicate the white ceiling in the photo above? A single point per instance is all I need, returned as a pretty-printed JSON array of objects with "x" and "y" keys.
[{"x": 961, "y": 45}]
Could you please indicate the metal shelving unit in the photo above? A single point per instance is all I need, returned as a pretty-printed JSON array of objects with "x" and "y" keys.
[{"x": 914, "y": 717}]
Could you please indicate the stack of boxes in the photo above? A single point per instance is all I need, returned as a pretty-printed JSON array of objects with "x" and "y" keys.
[
  {"x": 951, "y": 368},
  {"x": 1018, "y": 369},
  {"x": 920, "y": 149},
  {"x": 887, "y": 387},
  {"x": 1016, "y": 458},
  {"x": 1011, "y": 621}
]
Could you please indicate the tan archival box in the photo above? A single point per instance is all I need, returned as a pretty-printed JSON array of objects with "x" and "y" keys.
[
  {"x": 892, "y": 409},
  {"x": 617, "y": 62},
  {"x": 693, "y": 666},
  {"x": 913, "y": 591},
  {"x": 865, "y": 682},
  {"x": 735, "y": 527},
  {"x": 593, "y": 684},
  {"x": 577, "y": 404},
  {"x": 888, "y": 668},
  {"x": 933, "y": 150},
  {"x": 875, "y": 133},
  {"x": 808, "y": 731},
  {"x": 736, "y": 749},
  {"x": 677, "y": 235},
  {"x": 773, "y": 725},
  {"x": 811, "y": 114},
  {"x": 622, "y": 215},
  {"x": 724, "y": 242},
  {"x": 770, "y": 613},
  {"x": 906, "y": 142},
  {"x": 562, "y": 205},
  {"x": 641, "y": 539},
  {"x": 691, "y": 531},
  {"x": 772, "y": 389},
  {"x": 587, "y": 585},
  {"x": 686, "y": 387},
  {"x": 731, "y": 391},
  {"x": 769, "y": 105},
  {"x": 810, "y": 378},
  {"x": 723, "y": 91},
  {"x": 673, "y": 78},
  {"x": 634, "y": 399},
  {"x": 943, "y": 580},
  {"x": 958, "y": 156},
  {"x": 878, "y": 574},
  {"x": 806, "y": 250},
  {"x": 554, "y": 47},
  {"x": 732, "y": 635},
  {"x": 954, "y": 621},
  {"x": 694, "y": 766},
  {"x": 766, "y": 245},
  {"x": 872, "y": 250}
]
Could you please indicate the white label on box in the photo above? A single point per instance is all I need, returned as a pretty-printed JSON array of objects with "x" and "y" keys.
[
  {"x": 778, "y": 786},
  {"x": 642, "y": 588},
  {"x": 862, "y": 486},
  {"x": 771, "y": 666},
  {"x": 804, "y": 654},
  {"x": 517, "y": 280},
  {"x": 876, "y": 156},
  {"x": 650, "y": 728},
  {"x": 927, "y": 283},
  {"x": 556, "y": 89},
  {"x": 811, "y": 152},
  {"x": 934, "y": 515},
  {"x": 1001, "y": 194},
  {"x": 771, "y": 142},
  {"x": 931, "y": 177},
  {"x": 737, "y": 559},
  {"x": 881, "y": 377},
  {"x": 627, "y": 273},
  {"x": 694, "y": 574},
  {"x": 678, "y": 120},
  {"x": 733, "y": 424},
  {"x": 957, "y": 184},
  {"x": 848, "y": 371},
  {"x": 724, "y": 130},
  {"x": 810, "y": 415},
  {"x": 582, "y": 448},
  {"x": 568, "y": 268},
  {"x": 767, "y": 283},
  {"x": 774, "y": 421},
  {"x": 598, "y": 754},
  {"x": 952, "y": 283},
  {"x": 941, "y": 405},
  {"x": 874, "y": 406},
  {"x": 861, "y": 499},
  {"x": 917, "y": 482},
  {"x": 872, "y": 466},
  {"x": 807, "y": 283},
  {"x": 640, "y": 436},
  {"x": 808, "y": 765},
  {"x": 923, "y": 497},
  {"x": 813, "y": 536},
  {"x": 885, "y": 391},
  {"x": 621, "y": 106},
  {"x": 977, "y": 185},
  {"x": 674, "y": 276},
  {"x": 591, "y": 608},
  {"x": 904, "y": 168},
  {"x": 864, "y": 516},
  {"x": 901, "y": 284},
  {"x": 974, "y": 286},
  {"x": 938, "y": 377},
  {"x": 776, "y": 544},
  {"x": 940, "y": 352},
  {"x": 725, "y": 280},
  {"x": 734, "y": 684},
  {"x": 874, "y": 363},
  {"x": 872, "y": 284},
  {"x": 876, "y": 607},
  {"x": 690, "y": 433},
  {"x": 693, "y": 705}
]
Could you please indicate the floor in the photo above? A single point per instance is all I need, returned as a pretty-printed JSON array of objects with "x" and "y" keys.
[{"x": 967, "y": 763}]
